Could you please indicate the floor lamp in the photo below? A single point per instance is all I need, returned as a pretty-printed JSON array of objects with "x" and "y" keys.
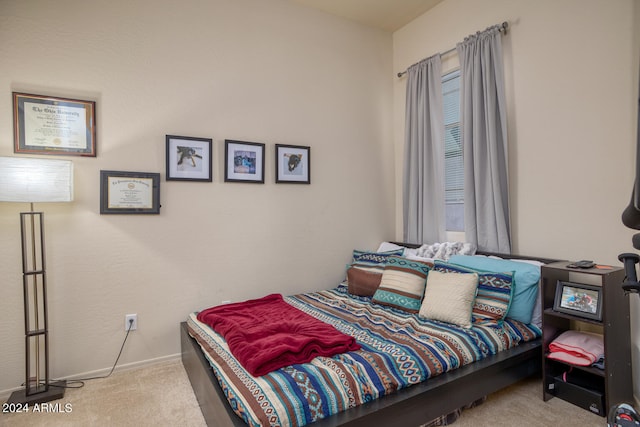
[{"x": 31, "y": 180}]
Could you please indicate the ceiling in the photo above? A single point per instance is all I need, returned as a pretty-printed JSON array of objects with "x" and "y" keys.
[{"x": 388, "y": 15}]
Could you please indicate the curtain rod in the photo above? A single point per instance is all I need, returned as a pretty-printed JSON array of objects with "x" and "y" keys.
[{"x": 503, "y": 28}]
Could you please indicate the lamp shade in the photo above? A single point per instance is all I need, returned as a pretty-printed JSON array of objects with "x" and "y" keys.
[{"x": 24, "y": 179}]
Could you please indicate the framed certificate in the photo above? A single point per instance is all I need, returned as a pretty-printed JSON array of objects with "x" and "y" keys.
[
  {"x": 50, "y": 125},
  {"x": 129, "y": 192}
]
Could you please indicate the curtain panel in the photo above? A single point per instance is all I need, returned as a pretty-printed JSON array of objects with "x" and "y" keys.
[
  {"x": 484, "y": 138},
  {"x": 423, "y": 178}
]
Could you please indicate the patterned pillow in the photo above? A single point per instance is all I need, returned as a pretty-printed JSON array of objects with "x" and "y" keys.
[
  {"x": 375, "y": 257},
  {"x": 526, "y": 278},
  {"x": 362, "y": 283},
  {"x": 449, "y": 297},
  {"x": 494, "y": 293},
  {"x": 402, "y": 285},
  {"x": 373, "y": 261}
]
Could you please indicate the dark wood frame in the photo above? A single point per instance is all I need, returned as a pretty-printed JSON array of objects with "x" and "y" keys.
[
  {"x": 173, "y": 175},
  {"x": 411, "y": 406},
  {"x": 259, "y": 147},
  {"x": 306, "y": 160},
  {"x": 21, "y": 145},
  {"x": 104, "y": 192}
]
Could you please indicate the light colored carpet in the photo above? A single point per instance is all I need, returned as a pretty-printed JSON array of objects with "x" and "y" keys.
[
  {"x": 157, "y": 395},
  {"x": 161, "y": 395}
]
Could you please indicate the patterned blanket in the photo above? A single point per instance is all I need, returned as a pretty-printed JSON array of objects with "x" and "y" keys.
[{"x": 398, "y": 350}]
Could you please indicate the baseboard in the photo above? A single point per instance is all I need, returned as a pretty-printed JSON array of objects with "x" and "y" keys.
[{"x": 4, "y": 394}]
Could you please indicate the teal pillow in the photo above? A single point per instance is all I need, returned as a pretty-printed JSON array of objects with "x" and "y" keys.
[{"x": 525, "y": 281}]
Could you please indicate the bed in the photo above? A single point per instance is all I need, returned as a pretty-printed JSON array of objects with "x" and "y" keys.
[{"x": 412, "y": 405}]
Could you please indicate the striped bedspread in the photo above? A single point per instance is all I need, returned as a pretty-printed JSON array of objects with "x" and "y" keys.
[{"x": 398, "y": 349}]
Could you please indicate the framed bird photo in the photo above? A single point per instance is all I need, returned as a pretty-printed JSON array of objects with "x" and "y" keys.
[
  {"x": 293, "y": 164},
  {"x": 188, "y": 158}
]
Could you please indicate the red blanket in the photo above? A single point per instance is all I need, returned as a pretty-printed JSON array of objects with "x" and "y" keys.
[{"x": 267, "y": 334}]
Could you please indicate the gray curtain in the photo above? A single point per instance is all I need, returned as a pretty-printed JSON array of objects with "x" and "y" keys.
[
  {"x": 423, "y": 180},
  {"x": 484, "y": 139}
]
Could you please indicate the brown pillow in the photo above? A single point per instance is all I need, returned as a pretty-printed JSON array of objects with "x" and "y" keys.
[{"x": 362, "y": 283}]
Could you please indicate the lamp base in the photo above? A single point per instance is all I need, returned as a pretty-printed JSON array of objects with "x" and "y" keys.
[{"x": 55, "y": 392}]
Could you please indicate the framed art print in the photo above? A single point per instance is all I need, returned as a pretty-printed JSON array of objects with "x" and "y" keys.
[
  {"x": 188, "y": 158},
  {"x": 578, "y": 299},
  {"x": 244, "y": 161},
  {"x": 129, "y": 192},
  {"x": 293, "y": 164},
  {"x": 52, "y": 125}
]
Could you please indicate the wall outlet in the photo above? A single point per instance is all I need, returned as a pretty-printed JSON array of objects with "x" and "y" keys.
[{"x": 127, "y": 319}]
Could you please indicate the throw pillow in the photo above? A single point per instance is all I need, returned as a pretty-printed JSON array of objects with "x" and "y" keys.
[
  {"x": 525, "y": 282},
  {"x": 362, "y": 283},
  {"x": 492, "y": 300},
  {"x": 449, "y": 297},
  {"x": 402, "y": 285}
]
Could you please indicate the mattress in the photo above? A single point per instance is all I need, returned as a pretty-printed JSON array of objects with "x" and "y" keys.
[{"x": 399, "y": 349}]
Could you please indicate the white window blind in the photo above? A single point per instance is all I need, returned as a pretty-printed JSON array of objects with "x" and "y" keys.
[{"x": 454, "y": 167}]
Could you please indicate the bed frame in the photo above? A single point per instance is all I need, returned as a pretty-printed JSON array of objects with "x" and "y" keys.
[{"x": 412, "y": 406}]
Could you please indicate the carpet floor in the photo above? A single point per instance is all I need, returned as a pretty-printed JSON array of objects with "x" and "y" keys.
[{"x": 161, "y": 395}]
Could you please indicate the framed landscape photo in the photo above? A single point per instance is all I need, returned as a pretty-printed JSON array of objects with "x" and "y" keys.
[
  {"x": 129, "y": 192},
  {"x": 579, "y": 299},
  {"x": 51, "y": 125},
  {"x": 293, "y": 164},
  {"x": 188, "y": 158},
  {"x": 244, "y": 161}
]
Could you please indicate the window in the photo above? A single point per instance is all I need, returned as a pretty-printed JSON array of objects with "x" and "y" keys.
[{"x": 454, "y": 167}]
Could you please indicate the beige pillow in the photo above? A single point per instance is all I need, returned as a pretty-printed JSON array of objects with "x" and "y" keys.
[{"x": 449, "y": 297}]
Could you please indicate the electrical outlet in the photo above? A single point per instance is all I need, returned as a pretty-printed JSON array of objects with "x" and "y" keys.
[{"x": 127, "y": 319}]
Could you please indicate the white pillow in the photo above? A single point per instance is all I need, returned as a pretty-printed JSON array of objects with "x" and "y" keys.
[
  {"x": 416, "y": 257},
  {"x": 449, "y": 297},
  {"x": 387, "y": 246}
]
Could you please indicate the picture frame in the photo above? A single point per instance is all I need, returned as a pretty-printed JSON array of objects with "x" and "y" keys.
[
  {"x": 293, "y": 164},
  {"x": 244, "y": 161},
  {"x": 53, "y": 125},
  {"x": 579, "y": 299},
  {"x": 129, "y": 192},
  {"x": 188, "y": 158}
]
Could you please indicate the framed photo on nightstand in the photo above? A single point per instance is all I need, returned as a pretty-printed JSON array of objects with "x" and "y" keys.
[{"x": 579, "y": 299}]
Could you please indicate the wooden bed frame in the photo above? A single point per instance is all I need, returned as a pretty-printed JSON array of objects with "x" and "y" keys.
[{"x": 412, "y": 406}]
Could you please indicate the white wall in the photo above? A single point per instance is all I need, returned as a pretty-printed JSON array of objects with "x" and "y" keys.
[
  {"x": 252, "y": 70},
  {"x": 572, "y": 85}
]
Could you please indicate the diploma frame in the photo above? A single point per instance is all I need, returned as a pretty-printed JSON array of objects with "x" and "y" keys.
[
  {"x": 129, "y": 192},
  {"x": 188, "y": 158},
  {"x": 52, "y": 125}
]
